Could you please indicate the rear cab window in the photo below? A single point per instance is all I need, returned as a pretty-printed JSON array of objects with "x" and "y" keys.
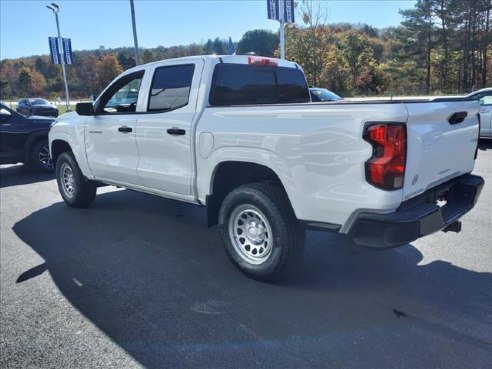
[
  {"x": 242, "y": 84},
  {"x": 171, "y": 87}
]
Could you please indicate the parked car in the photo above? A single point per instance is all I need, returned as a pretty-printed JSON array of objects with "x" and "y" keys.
[
  {"x": 37, "y": 106},
  {"x": 24, "y": 139},
  {"x": 239, "y": 135},
  {"x": 484, "y": 96},
  {"x": 322, "y": 94}
]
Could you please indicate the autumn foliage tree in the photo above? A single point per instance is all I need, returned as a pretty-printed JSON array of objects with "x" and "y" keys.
[
  {"x": 38, "y": 83},
  {"x": 107, "y": 68},
  {"x": 441, "y": 47},
  {"x": 24, "y": 81},
  {"x": 259, "y": 41}
]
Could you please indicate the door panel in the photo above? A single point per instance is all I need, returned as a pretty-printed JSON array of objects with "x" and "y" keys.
[
  {"x": 112, "y": 154},
  {"x": 14, "y": 131},
  {"x": 485, "y": 99},
  {"x": 164, "y": 136},
  {"x": 165, "y": 160},
  {"x": 486, "y": 120},
  {"x": 110, "y": 134}
]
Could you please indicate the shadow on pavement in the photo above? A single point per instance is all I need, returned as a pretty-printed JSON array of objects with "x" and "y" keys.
[
  {"x": 149, "y": 274},
  {"x": 14, "y": 175}
]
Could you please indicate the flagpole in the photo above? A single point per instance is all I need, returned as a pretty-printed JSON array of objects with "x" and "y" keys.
[
  {"x": 282, "y": 28},
  {"x": 282, "y": 39},
  {"x": 55, "y": 8}
]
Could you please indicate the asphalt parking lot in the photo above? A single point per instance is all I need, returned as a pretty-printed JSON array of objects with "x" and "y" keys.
[{"x": 140, "y": 281}]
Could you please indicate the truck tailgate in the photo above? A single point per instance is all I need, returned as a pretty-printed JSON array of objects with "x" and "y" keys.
[{"x": 438, "y": 150}]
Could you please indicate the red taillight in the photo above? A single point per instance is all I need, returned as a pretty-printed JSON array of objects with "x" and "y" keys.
[
  {"x": 262, "y": 62},
  {"x": 386, "y": 168}
]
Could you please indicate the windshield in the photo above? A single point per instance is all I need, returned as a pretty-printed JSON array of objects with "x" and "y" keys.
[{"x": 39, "y": 102}]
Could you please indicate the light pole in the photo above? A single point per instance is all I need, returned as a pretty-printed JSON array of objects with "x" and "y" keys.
[
  {"x": 55, "y": 9},
  {"x": 282, "y": 29},
  {"x": 132, "y": 8}
]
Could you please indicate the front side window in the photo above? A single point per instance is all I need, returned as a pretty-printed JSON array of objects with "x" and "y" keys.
[
  {"x": 122, "y": 96},
  {"x": 239, "y": 84},
  {"x": 171, "y": 87}
]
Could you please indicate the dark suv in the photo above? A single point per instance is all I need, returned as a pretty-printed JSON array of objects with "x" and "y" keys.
[
  {"x": 37, "y": 106},
  {"x": 24, "y": 139}
]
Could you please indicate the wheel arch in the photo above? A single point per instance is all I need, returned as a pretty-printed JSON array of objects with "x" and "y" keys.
[
  {"x": 58, "y": 147},
  {"x": 73, "y": 141},
  {"x": 34, "y": 138},
  {"x": 228, "y": 175}
]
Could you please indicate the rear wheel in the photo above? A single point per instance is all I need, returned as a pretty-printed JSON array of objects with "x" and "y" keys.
[
  {"x": 76, "y": 191},
  {"x": 260, "y": 231},
  {"x": 39, "y": 157}
]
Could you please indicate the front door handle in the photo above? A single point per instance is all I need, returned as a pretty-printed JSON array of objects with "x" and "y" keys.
[
  {"x": 125, "y": 129},
  {"x": 176, "y": 131}
]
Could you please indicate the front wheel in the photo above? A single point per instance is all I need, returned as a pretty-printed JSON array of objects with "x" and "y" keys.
[
  {"x": 39, "y": 157},
  {"x": 76, "y": 191},
  {"x": 260, "y": 231}
]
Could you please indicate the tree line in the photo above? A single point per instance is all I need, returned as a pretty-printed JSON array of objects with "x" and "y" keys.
[{"x": 440, "y": 47}]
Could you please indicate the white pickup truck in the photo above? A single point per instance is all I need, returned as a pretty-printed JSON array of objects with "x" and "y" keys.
[{"x": 239, "y": 135}]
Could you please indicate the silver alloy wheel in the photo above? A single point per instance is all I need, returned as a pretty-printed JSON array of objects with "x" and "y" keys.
[
  {"x": 67, "y": 180},
  {"x": 251, "y": 234},
  {"x": 44, "y": 157}
]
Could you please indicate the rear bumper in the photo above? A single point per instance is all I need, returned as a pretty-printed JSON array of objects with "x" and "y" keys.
[{"x": 418, "y": 216}]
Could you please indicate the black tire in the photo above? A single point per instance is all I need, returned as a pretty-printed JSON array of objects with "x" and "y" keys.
[
  {"x": 39, "y": 157},
  {"x": 270, "y": 201},
  {"x": 75, "y": 190}
]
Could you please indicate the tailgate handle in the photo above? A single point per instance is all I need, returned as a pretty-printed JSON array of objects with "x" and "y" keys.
[{"x": 458, "y": 117}]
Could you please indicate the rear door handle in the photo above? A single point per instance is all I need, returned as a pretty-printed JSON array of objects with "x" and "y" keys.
[
  {"x": 176, "y": 131},
  {"x": 125, "y": 129}
]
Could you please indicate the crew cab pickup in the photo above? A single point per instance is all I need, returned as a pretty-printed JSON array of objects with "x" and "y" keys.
[{"x": 239, "y": 135}]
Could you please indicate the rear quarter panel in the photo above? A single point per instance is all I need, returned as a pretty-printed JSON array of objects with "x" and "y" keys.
[{"x": 316, "y": 150}]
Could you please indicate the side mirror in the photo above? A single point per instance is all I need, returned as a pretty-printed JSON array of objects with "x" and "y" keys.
[{"x": 85, "y": 108}]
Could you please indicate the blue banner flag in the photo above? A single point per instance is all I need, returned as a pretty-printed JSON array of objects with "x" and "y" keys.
[
  {"x": 54, "y": 50},
  {"x": 272, "y": 7},
  {"x": 289, "y": 11},
  {"x": 281, "y": 8},
  {"x": 67, "y": 51},
  {"x": 230, "y": 48}
]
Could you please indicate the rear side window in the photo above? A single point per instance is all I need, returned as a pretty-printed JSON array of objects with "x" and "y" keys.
[
  {"x": 238, "y": 84},
  {"x": 171, "y": 87}
]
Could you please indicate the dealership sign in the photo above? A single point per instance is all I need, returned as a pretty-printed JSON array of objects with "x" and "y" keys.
[{"x": 61, "y": 52}]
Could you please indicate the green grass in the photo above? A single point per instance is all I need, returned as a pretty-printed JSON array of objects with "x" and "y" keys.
[{"x": 63, "y": 108}]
